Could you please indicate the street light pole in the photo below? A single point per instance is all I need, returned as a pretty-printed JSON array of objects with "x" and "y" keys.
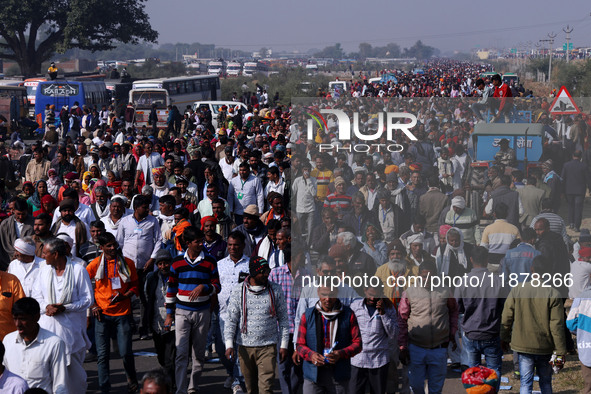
[{"x": 568, "y": 30}]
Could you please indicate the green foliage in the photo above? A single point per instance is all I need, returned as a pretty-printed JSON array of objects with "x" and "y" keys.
[
  {"x": 286, "y": 82},
  {"x": 420, "y": 51},
  {"x": 151, "y": 69},
  {"x": 335, "y": 51},
  {"x": 575, "y": 76},
  {"x": 539, "y": 64},
  {"x": 390, "y": 51},
  {"x": 33, "y": 30}
]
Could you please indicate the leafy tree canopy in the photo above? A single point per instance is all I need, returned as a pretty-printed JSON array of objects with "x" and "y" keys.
[{"x": 32, "y": 30}]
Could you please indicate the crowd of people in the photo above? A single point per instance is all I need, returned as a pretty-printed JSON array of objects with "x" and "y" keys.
[{"x": 214, "y": 235}]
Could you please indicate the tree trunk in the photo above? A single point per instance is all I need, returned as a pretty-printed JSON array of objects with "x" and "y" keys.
[{"x": 30, "y": 67}]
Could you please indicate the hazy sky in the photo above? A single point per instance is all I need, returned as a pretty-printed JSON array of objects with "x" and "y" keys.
[{"x": 300, "y": 25}]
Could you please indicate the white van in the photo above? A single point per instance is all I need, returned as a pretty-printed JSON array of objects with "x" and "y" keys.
[{"x": 214, "y": 107}]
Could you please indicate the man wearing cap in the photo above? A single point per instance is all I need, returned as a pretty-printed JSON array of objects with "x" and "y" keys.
[
  {"x": 25, "y": 265},
  {"x": 38, "y": 167},
  {"x": 156, "y": 285},
  {"x": 255, "y": 310},
  {"x": 505, "y": 155},
  {"x": 465, "y": 219},
  {"x": 105, "y": 160},
  {"x": 70, "y": 224},
  {"x": 81, "y": 211},
  {"x": 338, "y": 201},
  {"x": 252, "y": 228},
  {"x": 19, "y": 224},
  {"x": 213, "y": 243},
  {"x": 243, "y": 191},
  {"x": 116, "y": 282},
  {"x": 531, "y": 199}
]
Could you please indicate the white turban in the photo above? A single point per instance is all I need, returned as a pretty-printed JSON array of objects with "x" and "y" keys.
[
  {"x": 459, "y": 202},
  {"x": 24, "y": 248},
  {"x": 67, "y": 239},
  {"x": 416, "y": 239}
]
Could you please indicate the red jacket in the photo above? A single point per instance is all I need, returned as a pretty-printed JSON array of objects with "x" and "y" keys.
[{"x": 503, "y": 91}]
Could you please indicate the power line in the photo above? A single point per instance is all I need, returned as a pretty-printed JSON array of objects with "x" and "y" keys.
[{"x": 414, "y": 37}]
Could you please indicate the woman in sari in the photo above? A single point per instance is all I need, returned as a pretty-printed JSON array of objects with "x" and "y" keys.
[
  {"x": 86, "y": 177},
  {"x": 83, "y": 198},
  {"x": 40, "y": 190},
  {"x": 48, "y": 205}
]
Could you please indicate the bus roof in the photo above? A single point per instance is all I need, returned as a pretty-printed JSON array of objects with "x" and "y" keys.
[
  {"x": 508, "y": 129},
  {"x": 173, "y": 79}
]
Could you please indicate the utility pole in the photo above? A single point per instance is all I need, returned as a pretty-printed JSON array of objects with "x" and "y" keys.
[
  {"x": 568, "y": 30},
  {"x": 550, "y": 41}
]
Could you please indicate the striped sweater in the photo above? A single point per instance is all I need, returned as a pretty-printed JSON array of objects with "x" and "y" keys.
[{"x": 185, "y": 276}]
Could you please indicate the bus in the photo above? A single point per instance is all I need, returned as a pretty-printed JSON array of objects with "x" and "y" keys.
[
  {"x": 252, "y": 68},
  {"x": 31, "y": 85},
  {"x": 233, "y": 69},
  {"x": 63, "y": 92},
  {"x": 142, "y": 100},
  {"x": 179, "y": 91},
  {"x": 119, "y": 93},
  {"x": 215, "y": 68}
]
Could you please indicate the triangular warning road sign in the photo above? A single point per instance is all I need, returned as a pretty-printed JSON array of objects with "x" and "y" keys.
[{"x": 564, "y": 103}]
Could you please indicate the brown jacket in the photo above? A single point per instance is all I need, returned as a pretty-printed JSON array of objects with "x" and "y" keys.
[{"x": 36, "y": 171}]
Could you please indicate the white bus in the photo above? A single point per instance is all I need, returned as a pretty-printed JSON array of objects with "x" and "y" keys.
[
  {"x": 251, "y": 68},
  {"x": 233, "y": 69},
  {"x": 179, "y": 91},
  {"x": 215, "y": 68}
]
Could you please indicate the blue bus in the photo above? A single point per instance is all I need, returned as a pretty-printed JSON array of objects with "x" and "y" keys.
[{"x": 61, "y": 92}]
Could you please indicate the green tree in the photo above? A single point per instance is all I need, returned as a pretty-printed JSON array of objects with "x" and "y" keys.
[
  {"x": 33, "y": 30},
  {"x": 335, "y": 52},
  {"x": 420, "y": 51}
]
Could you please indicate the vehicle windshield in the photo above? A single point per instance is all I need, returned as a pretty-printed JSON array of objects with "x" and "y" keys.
[{"x": 146, "y": 99}]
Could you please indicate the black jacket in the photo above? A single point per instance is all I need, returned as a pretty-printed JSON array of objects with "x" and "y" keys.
[{"x": 151, "y": 287}]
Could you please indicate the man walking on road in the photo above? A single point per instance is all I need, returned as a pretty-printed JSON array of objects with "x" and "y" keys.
[
  {"x": 257, "y": 306},
  {"x": 574, "y": 176},
  {"x": 193, "y": 280}
]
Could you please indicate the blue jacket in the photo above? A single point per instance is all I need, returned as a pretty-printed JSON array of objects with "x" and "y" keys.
[
  {"x": 579, "y": 322},
  {"x": 315, "y": 341},
  {"x": 518, "y": 260}
]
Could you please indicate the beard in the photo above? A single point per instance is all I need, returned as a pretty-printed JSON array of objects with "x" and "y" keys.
[{"x": 397, "y": 266}]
